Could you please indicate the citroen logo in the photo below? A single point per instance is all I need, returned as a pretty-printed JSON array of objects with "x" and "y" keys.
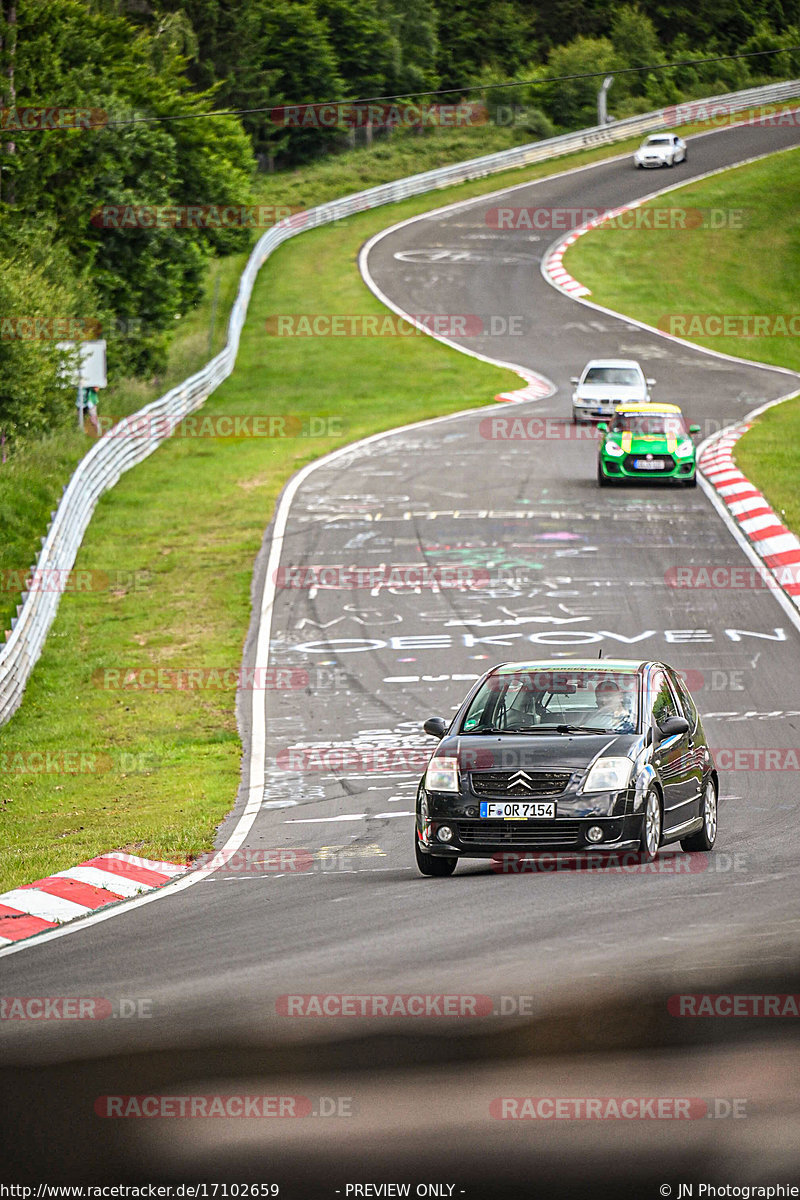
[{"x": 520, "y": 779}]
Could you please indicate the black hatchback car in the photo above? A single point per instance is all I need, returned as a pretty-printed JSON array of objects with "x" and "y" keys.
[{"x": 566, "y": 758}]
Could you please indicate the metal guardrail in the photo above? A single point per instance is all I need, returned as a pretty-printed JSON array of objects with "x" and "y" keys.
[{"x": 124, "y": 446}]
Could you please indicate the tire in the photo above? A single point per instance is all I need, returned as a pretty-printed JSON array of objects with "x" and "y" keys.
[
  {"x": 690, "y": 482},
  {"x": 429, "y": 864},
  {"x": 671, "y": 162},
  {"x": 601, "y": 479},
  {"x": 652, "y": 827},
  {"x": 704, "y": 840}
]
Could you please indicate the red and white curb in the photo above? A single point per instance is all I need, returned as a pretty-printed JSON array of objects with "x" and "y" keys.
[
  {"x": 555, "y": 270},
  {"x": 536, "y": 388},
  {"x": 775, "y": 545},
  {"x": 553, "y": 266},
  {"x": 107, "y": 879}
]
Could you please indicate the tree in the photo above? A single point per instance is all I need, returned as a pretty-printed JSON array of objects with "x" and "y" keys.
[{"x": 572, "y": 103}]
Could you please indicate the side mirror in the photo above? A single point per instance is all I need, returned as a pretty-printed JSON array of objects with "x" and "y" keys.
[
  {"x": 694, "y": 429},
  {"x": 437, "y": 727},
  {"x": 672, "y": 727},
  {"x": 574, "y": 379},
  {"x": 602, "y": 427},
  {"x": 650, "y": 382}
]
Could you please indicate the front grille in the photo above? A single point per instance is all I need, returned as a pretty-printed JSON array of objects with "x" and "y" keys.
[
  {"x": 517, "y": 833},
  {"x": 666, "y": 459},
  {"x": 542, "y": 783}
]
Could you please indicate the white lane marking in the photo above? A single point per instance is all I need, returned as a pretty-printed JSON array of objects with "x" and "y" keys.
[
  {"x": 325, "y": 820},
  {"x": 105, "y": 880},
  {"x": 42, "y": 904}
]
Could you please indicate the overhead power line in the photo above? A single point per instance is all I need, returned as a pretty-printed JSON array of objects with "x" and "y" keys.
[{"x": 364, "y": 101}]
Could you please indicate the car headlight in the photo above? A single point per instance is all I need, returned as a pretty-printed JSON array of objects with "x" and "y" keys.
[
  {"x": 685, "y": 448},
  {"x": 442, "y": 775},
  {"x": 614, "y": 449},
  {"x": 609, "y": 775}
]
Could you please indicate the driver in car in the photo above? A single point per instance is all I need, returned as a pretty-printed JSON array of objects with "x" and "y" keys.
[{"x": 614, "y": 708}]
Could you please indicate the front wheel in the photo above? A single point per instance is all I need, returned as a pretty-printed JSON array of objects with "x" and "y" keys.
[
  {"x": 690, "y": 482},
  {"x": 704, "y": 840},
  {"x": 601, "y": 479},
  {"x": 651, "y": 829},
  {"x": 429, "y": 864}
]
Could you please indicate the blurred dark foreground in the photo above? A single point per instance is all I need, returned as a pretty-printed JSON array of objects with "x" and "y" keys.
[{"x": 403, "y": 1107}]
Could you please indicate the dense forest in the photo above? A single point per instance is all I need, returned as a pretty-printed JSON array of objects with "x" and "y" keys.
[{"x": 90, "y": 89}]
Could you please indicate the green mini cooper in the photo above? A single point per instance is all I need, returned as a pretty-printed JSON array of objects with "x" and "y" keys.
[{"x": 647, "y": 441}]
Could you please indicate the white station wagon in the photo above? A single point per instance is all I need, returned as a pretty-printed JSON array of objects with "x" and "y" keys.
[{"x": 605, "y": 383}]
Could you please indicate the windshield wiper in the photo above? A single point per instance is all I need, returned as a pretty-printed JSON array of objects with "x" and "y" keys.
[{"x": 581, "y": 729}]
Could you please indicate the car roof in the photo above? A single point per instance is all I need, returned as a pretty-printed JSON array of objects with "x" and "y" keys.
[
  {"x": 652, "y": 410},
  {"x": 612, "y": 362},
  {"x": 611, "y": 665}
]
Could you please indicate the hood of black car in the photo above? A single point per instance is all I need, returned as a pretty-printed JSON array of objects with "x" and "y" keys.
[{"x": 534, "y": 751}]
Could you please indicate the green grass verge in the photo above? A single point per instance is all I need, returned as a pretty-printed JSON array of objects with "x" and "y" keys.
[
  {"x": 754, "y": 271},
  {"x": 159, "y": 769},
  {"x": 769, "y": 455}
]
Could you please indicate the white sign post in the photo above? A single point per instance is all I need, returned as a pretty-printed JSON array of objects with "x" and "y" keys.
[{"x": 90, "y": 369}]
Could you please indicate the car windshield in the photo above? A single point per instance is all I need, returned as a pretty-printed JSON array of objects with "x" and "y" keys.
[
  {"x": 649, "y": 424},
  {"x": 616, "y": 376},
  {"x": 531, "y": 700},
  {"x": 658, "y": 141}
]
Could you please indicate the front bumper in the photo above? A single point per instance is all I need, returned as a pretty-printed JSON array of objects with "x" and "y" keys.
[
  {"x": 622, "y": 468},
  {"x": 594, "y": 409},
  {"x": 476, "y": 837}
]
